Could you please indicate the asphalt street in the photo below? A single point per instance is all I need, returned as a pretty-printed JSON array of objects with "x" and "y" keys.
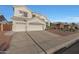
[{"x": 73, "y": 49}]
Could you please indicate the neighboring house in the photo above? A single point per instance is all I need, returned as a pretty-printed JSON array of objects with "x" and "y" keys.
[
  {"x": 25, "y": 20},
  {"x": 65, "y": 26},
  {"x": 4, "y": 24},
  {"x": 2, "y": 18},
  {"x": 58, "y": 26}
]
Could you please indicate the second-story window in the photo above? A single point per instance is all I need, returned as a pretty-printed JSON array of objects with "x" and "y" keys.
[{"x": 23, "y": 13}]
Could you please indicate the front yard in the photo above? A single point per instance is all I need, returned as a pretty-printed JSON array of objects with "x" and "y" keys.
[{"x": 62, "y": 33}]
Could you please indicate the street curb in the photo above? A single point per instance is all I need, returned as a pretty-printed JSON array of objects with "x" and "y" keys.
[{"x": 65, "y": 44}]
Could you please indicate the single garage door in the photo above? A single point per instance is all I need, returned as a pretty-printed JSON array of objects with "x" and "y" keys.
[
  {"x": 19, "y": 27},
  {"x": 33, "y": 27}
]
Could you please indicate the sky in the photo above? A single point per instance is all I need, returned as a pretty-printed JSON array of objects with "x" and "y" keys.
[{"x": 54, "y": 13}]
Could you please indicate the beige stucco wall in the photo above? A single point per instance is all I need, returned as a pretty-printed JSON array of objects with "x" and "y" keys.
[
  {"x": 22, "y": 8},
  {"x": 25, "y": 25}
]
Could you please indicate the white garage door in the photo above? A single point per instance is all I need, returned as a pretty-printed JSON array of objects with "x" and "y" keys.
[
  {"x": 35, "y": 27},
  {"x": 19, "y": 27}
]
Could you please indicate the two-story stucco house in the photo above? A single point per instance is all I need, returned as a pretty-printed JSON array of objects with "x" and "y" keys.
[{"x": 25, "y": 20}]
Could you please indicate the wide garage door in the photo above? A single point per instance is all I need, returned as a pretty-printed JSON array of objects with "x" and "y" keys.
[{"x": 33, "y": 27}]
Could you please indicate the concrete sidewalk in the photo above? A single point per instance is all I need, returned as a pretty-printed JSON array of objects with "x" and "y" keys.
[{"x": 23, "y": 43}]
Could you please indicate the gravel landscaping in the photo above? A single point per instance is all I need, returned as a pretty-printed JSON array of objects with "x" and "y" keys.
[
  {"x": 4, "y": 41},
  {"x": 62, "y": 33}
]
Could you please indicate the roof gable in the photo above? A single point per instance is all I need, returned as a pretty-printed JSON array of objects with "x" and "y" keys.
[{"x": 2, "y": 18}]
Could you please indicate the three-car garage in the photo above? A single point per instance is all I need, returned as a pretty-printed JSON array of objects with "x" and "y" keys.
[{"x": 22, "y": 26}]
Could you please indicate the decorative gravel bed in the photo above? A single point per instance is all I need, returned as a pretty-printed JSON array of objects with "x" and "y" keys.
[{"x": 4, "y": 41}]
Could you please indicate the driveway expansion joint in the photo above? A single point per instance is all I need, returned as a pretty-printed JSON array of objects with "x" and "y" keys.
[{"x": 36, "y": 43}]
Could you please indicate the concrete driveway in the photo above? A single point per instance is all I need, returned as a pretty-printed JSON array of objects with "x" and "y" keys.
[
  {"x": 38, "y": 42},
  {"x": 21, "y": 43},
  {"x": 45, "y": 39}
]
